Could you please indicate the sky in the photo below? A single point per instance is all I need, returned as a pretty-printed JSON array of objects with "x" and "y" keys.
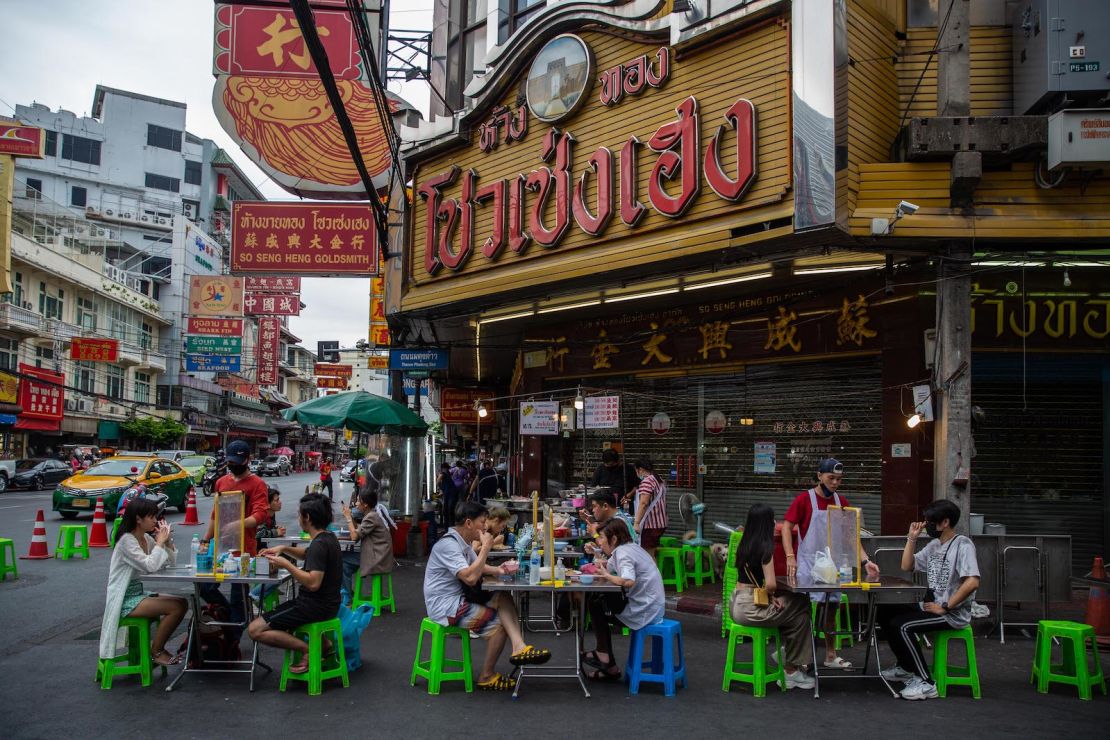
[{"x": 55, "y": 52}]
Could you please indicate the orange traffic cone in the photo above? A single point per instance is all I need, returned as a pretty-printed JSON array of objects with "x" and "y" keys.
[
  {"x": 99, "y": 535},
  {"x": 1098, "y": 605},
  {"x": 191, "y": 509},
  {"x": 38, "y": 541}
]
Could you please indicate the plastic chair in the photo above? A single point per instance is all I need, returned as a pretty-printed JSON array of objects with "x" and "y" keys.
[
  {"x": 703, "y": 564},
  {"x": 665, "y": 636},
  {"x": 115, "y": 529},
  {"x": 756, "y": 673},
  {"x": 841, "y": 609},
  {"x": 728, "y": 580},
  {"x": 666, "y": 541},
  {"x": 137, "y": 660},
  {"x": 68, "y": 546},
  {"x": 320, "y": 667},
  {"x": 675, "y": 574},
  {"x": 945, "y": 675},
  {"x": 7, "y": 560},
  {"x": 435, "y": 669},
  {"x": 377, "y": 600},
  {"x": 1074, "y": 671}
]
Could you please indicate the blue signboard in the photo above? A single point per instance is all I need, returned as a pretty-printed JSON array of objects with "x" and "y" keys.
[
  {"x": 212, "y": 363},
  {"x": 418, "y": 359},
  {"x": 409, "y": 384}
]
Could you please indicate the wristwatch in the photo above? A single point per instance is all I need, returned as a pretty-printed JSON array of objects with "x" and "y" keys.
[
  {"x": 944, "y": 606},
  {"x": 864, "y": 562}
]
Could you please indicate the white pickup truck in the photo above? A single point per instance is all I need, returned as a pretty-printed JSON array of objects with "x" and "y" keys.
[{"x": 7, "y": 471}]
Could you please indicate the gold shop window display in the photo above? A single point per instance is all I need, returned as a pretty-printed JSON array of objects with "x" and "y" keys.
[{"x": 844, "y": 525}]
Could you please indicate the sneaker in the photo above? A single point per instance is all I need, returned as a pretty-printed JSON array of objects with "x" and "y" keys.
[
  {"x": 897, "y": 673},
  {"x": 918, "y": 688},
  {"x": 798, "y": 680}
]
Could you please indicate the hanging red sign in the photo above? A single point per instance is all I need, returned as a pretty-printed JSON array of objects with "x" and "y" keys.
[
  {"x": 340, "y": 383},
  {"x": 264, "y": 284},
  {"x": 265, "y": 304},
  {"x": 22, "y": 141},
  {"x": 269, "y": 347},
  {"x": 304, "y": 238},
  {"x": 457, "y": 405},
  {"x": 214, "y": 327},
  {"x": 333, "y": 369},
  {"x": 42, "y": 396},
  {"x": 268, "y": 42},
  {"x": 89, "y": 349}
]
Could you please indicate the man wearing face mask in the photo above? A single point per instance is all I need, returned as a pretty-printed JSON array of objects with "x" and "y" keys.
[{"x": 256, "y": 511}]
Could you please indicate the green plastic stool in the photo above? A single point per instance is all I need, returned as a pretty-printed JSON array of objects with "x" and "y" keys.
[
  {"x": 728, "y": 582},
  {"x": 756, "y": 673},
  {"x": 7, "y": 562},
  {"x": 434, "y": 669},
  {"x": 703, "y": 564},
  {"x": 115, "y": 529},
  {"x": 1074, "y": 671},
  {"x": 945, "y": 675},
  {"x": 136, "y": 661},
  {"x": 67, "y": 547},
  {"x": 376, "y": 599},
  {"x": 666, "y": 541},
  {"x": 675, "y": 574},
  {"x": 271, "y": 600},
  {"x": 840, "y": 640},
  {"x": 320, "y": 667},
  {"x": 586, "y": 626}
]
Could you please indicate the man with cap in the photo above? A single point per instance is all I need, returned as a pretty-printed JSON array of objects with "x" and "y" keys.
[{"x": 808, "y": 513}]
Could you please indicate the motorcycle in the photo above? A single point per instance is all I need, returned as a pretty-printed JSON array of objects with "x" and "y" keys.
[{"x": 208, "y": 482}]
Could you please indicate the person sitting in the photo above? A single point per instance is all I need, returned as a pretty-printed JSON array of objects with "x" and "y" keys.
[
  {"x": 497, "y": 522},
  {"x": 269, "y": 529},
  {"x": 453, "y": 595},
  {"x": 318, "y": 580},
  {"x": 144, "y": 545},
  {"x": 603, "y": 508},
  {"x": 375, "y": 554},
  {"x": 755, "y": 565},
  {"x": 952, "y": 570}
]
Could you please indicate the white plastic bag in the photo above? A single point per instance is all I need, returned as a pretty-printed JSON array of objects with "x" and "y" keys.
[{"x": 824, "y": 569}]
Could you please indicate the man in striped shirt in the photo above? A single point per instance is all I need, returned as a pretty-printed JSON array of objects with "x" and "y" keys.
[{"x": 651, "y": 506}]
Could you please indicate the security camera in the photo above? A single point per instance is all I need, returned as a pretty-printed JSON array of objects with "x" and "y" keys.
[{"x": 905, "y": 208}]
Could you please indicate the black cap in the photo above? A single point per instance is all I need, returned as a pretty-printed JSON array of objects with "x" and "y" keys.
[
  {"x": 831, "y": 465},
  {"x": 238, "y": 452}
]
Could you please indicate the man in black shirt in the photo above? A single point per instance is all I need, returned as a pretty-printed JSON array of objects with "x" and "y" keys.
[
  {"x": 619, "y": 477},
  {"x": 319, "y": 579},
  {"x": 487, "y": 483}
]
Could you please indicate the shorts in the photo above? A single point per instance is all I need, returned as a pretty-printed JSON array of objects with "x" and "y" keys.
[
  {"x": 649, "y": 538},
  {"x": 292, "y": 614},
  {"x": 481, "y": 620}
]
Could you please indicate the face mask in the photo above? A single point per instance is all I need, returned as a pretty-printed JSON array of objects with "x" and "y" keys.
[
  {"x": 237, "y": 469},
  {"x": 931, "y": 530}
]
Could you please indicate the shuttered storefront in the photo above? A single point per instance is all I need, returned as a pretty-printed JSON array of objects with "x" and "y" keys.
[
  {"x": 792, "y": 405},
  {"x": 1039, "y": 462}
]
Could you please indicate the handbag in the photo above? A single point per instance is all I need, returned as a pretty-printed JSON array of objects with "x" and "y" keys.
[{"x": 759, "y": 593}]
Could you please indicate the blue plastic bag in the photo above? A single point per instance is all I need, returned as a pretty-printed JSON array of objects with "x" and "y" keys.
[{"x": 354, "y": 621}]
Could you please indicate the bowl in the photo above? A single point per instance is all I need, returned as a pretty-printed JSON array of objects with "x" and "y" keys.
[{"x": 585, "y": 579}]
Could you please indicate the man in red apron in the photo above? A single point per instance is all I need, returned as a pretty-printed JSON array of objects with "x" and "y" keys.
[{"x": 808, "y": 513}]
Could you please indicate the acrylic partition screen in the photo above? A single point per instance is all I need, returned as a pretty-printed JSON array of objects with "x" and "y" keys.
[
  {"x": 844, "y": 523},
  {"x": 229, "y": 510}
]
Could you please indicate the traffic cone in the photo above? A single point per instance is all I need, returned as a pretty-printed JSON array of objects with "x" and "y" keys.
[
  {"x": 191, "y": 509},
  {"x": 38, "y": 541},
  {"x": 1098, "y": 605},
  {"x": 99, "y": 535}
]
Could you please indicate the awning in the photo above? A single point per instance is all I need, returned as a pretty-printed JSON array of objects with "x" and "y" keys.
[
  {"x": 7, "y": 419},
  {"x": 251, "y": 433},
  {"x": 108, "y": 430},
  {"x": 38, "y": 425},
  {"x": 79, "y": 425}
]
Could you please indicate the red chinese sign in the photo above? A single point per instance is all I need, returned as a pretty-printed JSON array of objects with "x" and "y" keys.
[
  {"x": 340, "y": 383},
  {"x": 333, "y": 369},
  {"x": 457, "y": 405},
  {"x": 238, "y": 385},
  {"x": 214, "y": 327},
  {"x": 261, "y": 284},
  {"x": 22, "y": 141},
  {"x": 44, "y": 400},
  {"x": 268, "y": 42},
  {"x": 304, "y": 238},
  {"x": 269, "y": 347},
  {"x": 266, "y": 304},
  {"x": 94, "y": 350}
]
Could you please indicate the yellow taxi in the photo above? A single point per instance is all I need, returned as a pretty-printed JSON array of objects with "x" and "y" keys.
[{"x": 110, "y": 478}]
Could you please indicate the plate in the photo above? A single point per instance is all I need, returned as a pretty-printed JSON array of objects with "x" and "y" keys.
[{"x": 84, "y": 503}]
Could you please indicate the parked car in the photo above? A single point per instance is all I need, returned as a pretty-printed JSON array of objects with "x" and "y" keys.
[
  {"x": 348, "y": 471},
  {"x": 276, "y": 465},
  {"x": 174, "y": 455},
  {"x": 255, "y": 465},
  {"x": 39, "y": 474},
  {"x": 197, "y": 465},
  {"x": 7, "y": 471},
  {"x": 110, "y": 478}
]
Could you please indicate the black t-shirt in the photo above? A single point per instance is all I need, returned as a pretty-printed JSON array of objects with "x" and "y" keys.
[
  {"x": 323, "y": 554},
  {"x": 611, "y": 477},
  {"x": 487, "y": 484}
]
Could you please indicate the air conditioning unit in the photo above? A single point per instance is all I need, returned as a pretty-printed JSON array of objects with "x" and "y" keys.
[
  {"x": 163, "y": 221},
  {"x": 190, "y": 210},
  {"x": 84, "y": 405},
  {"x": 145, "y": 219},
  {"x": 109, "y": 212},
  {"x": 71, "y": 404},
  {"x": 91, "y": 211},
  {"x": 28, "y": 305}
]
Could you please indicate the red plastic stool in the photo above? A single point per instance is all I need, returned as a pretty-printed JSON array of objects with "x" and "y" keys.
[{"x": 424, "y": 535}]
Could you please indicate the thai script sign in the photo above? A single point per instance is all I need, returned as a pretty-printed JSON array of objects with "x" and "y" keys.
[{"x": 304, "y": 238}]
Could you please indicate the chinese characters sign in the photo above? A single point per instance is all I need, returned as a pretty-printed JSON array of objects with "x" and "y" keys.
[
  {"x": 602, "y": 412},
  {"x": 214, "y": 327},
  {"x": 326, "y": 382},
  {"x": 457, "y": 405},
  {"x": 539, "y": 418},
  {"x": 268, "y": 41},
  {"x": 214, "y": 345},
  {"x": 304, "y": 238},
  {"x": 212, "y": 363},
  {"x": 43, "y": 400},
  {"x": 379, "y": 327},
  {"x": 268, "y": 349},
  {"x": 265, "y": 304},
  {"x": 94, "y": 350},
  {"x": 262, "y": 284},
  {"x": 217, "y": 295},
  {"x": 333, "y": 369}
]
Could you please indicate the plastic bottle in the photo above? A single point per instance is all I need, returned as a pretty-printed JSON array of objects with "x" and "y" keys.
[
  {"x": 194, "y": 549},
  {"x": 534, "y": 567},
  {"x": 845, "y": 571}
]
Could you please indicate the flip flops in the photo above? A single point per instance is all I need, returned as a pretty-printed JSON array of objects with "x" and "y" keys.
[
  {"x": 838, "y": 662},
  {"x": 599, "y": 674},
  {"x": 530, "y": 656},
  {"x": 173, "y": 659},
  {"x": 497, "y": 683}
]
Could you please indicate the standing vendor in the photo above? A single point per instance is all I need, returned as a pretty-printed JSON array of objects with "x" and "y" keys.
[
  {"x": 808, "y": 513},
  {"x": 619, "y": 477}
]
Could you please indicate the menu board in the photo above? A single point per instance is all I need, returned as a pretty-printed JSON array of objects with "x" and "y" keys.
[
  {"x": 603, "y": 412},
  {"x": 539, "y": 418}
]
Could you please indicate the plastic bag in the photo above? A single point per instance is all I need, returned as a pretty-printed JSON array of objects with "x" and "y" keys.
[
  {"x": 824, "y": 569},
  {"x": 354, "y": 621}
]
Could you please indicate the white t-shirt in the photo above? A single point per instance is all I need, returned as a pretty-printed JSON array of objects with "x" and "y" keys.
[
  {"x": 945, "y": 565},
  {"x": 646, "y": 603},
  {"x": 443, "y": 591}
]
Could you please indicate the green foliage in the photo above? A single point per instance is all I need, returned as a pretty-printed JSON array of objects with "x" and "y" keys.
[{"x": 158, "y": 432}]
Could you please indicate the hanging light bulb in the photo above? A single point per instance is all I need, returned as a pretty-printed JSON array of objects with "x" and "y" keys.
[
  {"x": 1067, "y": 279},
  {"x": 482, "y": 412},
  {"x": 579, "y": 402},
  {"x": 913, "y": 421}
]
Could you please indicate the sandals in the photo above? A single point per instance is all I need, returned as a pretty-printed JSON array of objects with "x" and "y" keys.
[
  {"x": 593, "y": 661},
  {"x": 530, "y": 656},
  {"x": 838, "y": 662},
  {"x": 299, "y": 668},
  {"x": 605, "y": 675},
  {"x": 173, "y": 659},
  {"x": 497, "y": 683}
]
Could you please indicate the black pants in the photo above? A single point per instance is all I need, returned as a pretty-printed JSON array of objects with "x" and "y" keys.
[
  {"x": 600, "y": 607},
  {"x": 900, "y": 627},
  {"x": 326, "y": 483},
  {"x": 211, "y": 594}
]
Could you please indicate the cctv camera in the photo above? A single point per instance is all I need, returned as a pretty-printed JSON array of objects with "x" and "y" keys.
[{"x": 907, "y": 208}]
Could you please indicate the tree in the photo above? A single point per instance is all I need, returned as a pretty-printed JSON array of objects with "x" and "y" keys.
[{"x": 153, "y": 431}]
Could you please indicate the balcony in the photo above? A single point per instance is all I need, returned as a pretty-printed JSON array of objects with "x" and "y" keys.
[
  {"x": 155, "y": 361},
  {"x": 130, "y": 354},
  {"x": 20, "y": 320}
]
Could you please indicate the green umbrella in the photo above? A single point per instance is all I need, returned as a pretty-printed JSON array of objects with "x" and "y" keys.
[{"x": 358, "y": 411}]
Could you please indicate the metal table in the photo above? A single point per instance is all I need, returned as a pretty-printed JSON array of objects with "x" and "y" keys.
[
  {"x": 346, "y": 544},
  {"x": 186, "y": 576},
  {"x": 518, "y": 588},
  {"x": 884, "y": 590}
]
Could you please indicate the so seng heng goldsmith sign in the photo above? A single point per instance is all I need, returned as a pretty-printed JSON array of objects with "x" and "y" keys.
[{"x": 303, "y": 239}]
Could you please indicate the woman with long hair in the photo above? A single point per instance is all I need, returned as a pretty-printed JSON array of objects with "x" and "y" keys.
[
  {"x": 789, "y": 611},
  {"x": 144, "y": 545},
  {"x": 651, "y": 506}
]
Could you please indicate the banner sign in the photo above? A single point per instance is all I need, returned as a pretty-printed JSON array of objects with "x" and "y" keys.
[
  {"x": 212, "y": 363},
  {"x": 378, "y": 362},
  {"x": 266, "y": 304},
  {"x": 22, "y": 141},
  {"x": 88, "y": 349},
  {"x": 266, "y": 41},
  {"x": 457, "y": 405},
  {"x": 41, "y": 400},
  {"x": 214, "y": 345},
  {"x": 261, "y": 284},
  {"x": 325, "y": 382},
  {"x": 215, "y": 295},
  {"x": 333, "y": 369},
  {"x": 214, "y": 327},
  {"x": 304, "y": 238},
  {"x": 539, "y": 418},
  {"x": 418, "y": 359},
  {"x": 602, "y": 412},
  {"x": 239, "y": 385},
  {"x": 9, "y": 388},
  {"x": 269, "y": 346}
]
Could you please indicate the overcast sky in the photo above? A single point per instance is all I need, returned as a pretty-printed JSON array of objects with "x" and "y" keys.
[{"x": 55, "y": 52}]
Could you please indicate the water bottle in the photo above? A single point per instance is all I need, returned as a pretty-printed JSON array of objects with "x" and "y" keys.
[
  {"x": 534, "y": 567},
  {"x": 195, "y": 550},
  {"x": 845, "y": 571},
  {"x": 510, "y": 540}
]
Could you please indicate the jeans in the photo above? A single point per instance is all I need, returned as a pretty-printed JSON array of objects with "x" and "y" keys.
[
  {"x": 351, "y": 562},
  {"x": 326, "y": 483},
  {"x": 211, "y": 594}
]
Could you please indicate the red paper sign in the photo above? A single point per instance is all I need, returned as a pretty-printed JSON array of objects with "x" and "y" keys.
[
  {"x": 340, "y": 383},
  {"x": 333, "y": 369},
  {"x": 269, "y": 304},
  {"x": 260, "y": 284},
  {"x": 45, "y": 400},
  {"x": 304, "y": 238},
  {"x": 267, "y": 42},
  {"x": 457, "y": 405},
  {"x": 94, "y": 350},
  {"x": 22, "y": 141},
  {"x": 269, "y": 346},
  {"x": 214, "y": 327}
]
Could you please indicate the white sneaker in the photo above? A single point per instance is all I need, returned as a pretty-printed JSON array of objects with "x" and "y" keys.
[
  {"x": 798, "y": 680},
  {"x": 918, "y": 688},
  {"x": 897, "y": 673}
]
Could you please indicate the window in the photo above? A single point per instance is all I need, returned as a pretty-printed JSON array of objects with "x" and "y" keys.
[
  {"x": 9, "y": 353},
  {"x": 119, "y": 320},
  {"x": 115, "y": 381},
  {"x": 192, "y": 172},
  {"x": 163, "y": 138},
  {"x": 146, "y": 336},
  {"x": 51, "y": 304},
  {"x": 80, "y": 149},
  {"x": 161, "y": 182},
  {"x": 34, "y": 188},
  {"x": 86, "y": 376},
  {"x": 51, "y": 143},
  {"x": 86, "y": 313},
  {"x": 17, "y": 285},
  {"x": 514, "y": 14},
  {"x": 44, "y": 355},
  {"x": 78, "y": 196},
  {"x": 142, "y": 387}
]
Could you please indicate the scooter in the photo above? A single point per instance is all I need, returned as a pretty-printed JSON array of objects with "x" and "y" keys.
[{"x": 208, "y": 482}]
